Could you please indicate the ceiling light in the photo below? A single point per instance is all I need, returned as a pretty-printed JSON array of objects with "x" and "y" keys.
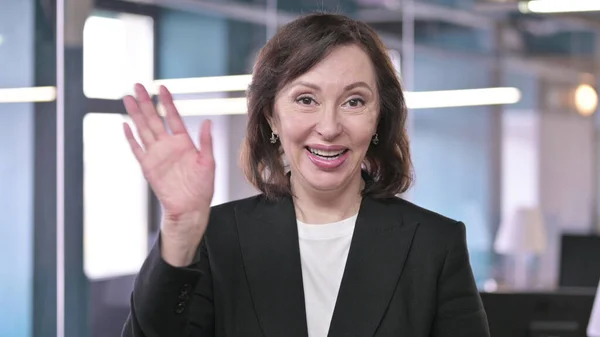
[
  {"x": 465, "y": 97},
  {"x": 414, "y": 100},
  {"x": 559, "y": 6},
  {"x": 31, "y": 94},
  {"x": 226, "y": 106},
  {"x": 586, "y": 99},
  {"x": 208, "y": 106},
  {"x": 204, "y": 84}
]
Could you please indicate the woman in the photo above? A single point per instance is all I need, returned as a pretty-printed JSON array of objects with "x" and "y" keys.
[{"x": 326, "y": 249}]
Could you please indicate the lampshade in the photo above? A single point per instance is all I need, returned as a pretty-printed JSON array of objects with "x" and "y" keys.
[
  {"x": 524, "y": 232},
  {"x": 593, "y": 329}
]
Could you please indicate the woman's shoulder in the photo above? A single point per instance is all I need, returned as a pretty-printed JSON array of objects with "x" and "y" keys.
[
  {"x": 256, "y": 206},
  {"x": 435, "y": 234},
  {"x": 233, "y": 204},
  {"x": 228, "y": 209},
  {"x": 427, "y": 219},
  {"x": 224, "y": 217}
]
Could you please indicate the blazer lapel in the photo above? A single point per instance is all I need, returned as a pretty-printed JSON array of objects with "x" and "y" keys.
[
  {"x": 379, "y": 248},
  {"x": 268, "y": 237}
]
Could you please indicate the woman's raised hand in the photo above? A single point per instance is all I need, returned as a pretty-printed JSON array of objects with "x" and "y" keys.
[{"x": 181, "y": 175}]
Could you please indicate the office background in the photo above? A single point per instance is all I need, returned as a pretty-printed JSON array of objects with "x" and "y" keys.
[{"x": 478, "y": 164}]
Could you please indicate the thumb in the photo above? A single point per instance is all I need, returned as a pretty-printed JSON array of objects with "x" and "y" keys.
[{"x": 206, "y": 146}]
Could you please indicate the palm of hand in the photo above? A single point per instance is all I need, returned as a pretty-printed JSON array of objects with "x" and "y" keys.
[{"x": 180, "y": 175}]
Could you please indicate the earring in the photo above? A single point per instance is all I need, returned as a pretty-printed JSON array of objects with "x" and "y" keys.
[
  {"x": 375, "y": 139},
  {"x": 274, "y": 138}
]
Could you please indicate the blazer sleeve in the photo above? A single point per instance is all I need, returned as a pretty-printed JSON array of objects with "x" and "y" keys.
[
  {"x": 460, "y": 311},
  {"x": 170, "y": 301}
]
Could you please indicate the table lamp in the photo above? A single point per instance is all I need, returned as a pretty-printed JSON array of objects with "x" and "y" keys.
[
  {"x": 520, "y": 237},
  {"x": 593, "y": 329}
]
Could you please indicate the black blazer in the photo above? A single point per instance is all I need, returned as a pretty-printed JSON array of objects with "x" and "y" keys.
[{"x": 407, "y": 275}]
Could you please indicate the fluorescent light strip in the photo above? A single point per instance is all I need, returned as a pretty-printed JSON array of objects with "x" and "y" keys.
[
  {"x": 204, "y": 84},
  {"x": 24, "y": 95},
  {"x": 459, "y": 98},
  {"x": 209, "y": 106},
  {"x": 227, "y": 106},
  {"x": 414, "y": 100},
  {"x": 176, "y": 86},
  {"x": 559, "y": 6}
]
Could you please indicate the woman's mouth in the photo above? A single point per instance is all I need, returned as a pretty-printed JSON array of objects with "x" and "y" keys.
[{"x": 327, "y": 154}]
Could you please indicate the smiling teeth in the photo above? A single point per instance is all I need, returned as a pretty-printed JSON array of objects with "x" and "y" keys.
[{"x": 324, "y": 153}]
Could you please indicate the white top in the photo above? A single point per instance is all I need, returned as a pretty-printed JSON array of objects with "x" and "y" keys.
[{"x": 323, "y": 254}]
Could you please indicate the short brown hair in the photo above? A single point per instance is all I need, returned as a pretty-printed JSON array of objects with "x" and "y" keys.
[{"x": 293, "y": 51}]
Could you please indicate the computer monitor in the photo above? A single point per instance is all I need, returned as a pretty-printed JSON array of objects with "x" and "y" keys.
[
  {"x": 579, "y": 266},
  {"x": 538, "y": 314}
]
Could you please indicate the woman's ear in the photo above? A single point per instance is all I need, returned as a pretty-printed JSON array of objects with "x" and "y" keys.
[{"x": 272, "y": 123}]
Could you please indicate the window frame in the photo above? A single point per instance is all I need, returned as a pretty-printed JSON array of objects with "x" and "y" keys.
[{"x": 116, "y": 106}]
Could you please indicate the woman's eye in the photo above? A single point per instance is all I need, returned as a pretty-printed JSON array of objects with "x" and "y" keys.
[
  {"x": 355, "y": 103},
  {"x": 305, "y": 100}
]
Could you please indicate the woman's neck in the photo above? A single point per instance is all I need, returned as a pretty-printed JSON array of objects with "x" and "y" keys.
[{"x": 321, "y": 207}]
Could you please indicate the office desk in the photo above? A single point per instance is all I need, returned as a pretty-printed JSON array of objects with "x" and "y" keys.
[{"x": 560, "y": 313}]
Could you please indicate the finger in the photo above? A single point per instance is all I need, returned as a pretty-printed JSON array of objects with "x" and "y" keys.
[
  {"x": 173, "y": 118},
  {"x": 137, "y": 150},
  {"x": 152, "y": 118},
  {"x": 206, "y": 146},
  {"x": 138, "y": 119}
]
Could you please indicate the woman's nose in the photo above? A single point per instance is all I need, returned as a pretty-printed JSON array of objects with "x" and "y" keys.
[{"x": 329, "y": 125}]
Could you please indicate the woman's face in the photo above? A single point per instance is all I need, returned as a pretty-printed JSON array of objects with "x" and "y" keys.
[{"x": 326, "y": 119}]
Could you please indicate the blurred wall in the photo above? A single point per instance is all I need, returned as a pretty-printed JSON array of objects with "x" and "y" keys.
[
  {"x": 194, "y": 45},
  {"x": 566, "y": 184},
  {"x": 548, "y": 161},
  {"x": 238, "y": 185},
  {"x": 453, "y": 152},
  {"x": 16, "y": 170}
]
